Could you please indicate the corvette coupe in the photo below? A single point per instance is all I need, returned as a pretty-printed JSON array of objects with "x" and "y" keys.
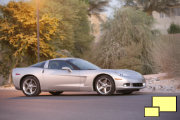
[{"x": 73, "y": 74}]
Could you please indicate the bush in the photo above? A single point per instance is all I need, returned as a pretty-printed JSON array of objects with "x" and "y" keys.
[
  {"x": 173, "y": 29},
  {"x": 167, "y": 54},
  {"x": 125, "y": 42}
]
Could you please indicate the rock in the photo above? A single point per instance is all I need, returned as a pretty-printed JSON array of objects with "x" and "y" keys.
[
  {"x": 149, "y": 87},
  {"x": 178, "y": 87},
  {"x": 154, "y": 79},
  {"x": 150, "y": 82},
  {"x": 157, "y": 79},
  {"x": 160, "y": 87}
]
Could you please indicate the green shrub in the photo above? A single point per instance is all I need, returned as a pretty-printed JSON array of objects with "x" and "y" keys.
[{"x": 174, "y": 28}]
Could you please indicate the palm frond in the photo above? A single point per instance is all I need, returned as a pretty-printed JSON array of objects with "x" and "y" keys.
[{"x": 97, "y": 6}]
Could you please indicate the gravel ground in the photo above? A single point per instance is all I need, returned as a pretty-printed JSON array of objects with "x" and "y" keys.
[{"x": 160, "y": 83}]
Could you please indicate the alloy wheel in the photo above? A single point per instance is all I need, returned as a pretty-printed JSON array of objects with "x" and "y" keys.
[
  {"x": 29, "y": 86},
  {"x": 104, "y": 85}
]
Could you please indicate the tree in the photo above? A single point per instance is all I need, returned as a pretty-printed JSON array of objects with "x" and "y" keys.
[
  {"x": 97, "y": 6},
  {"x": 173, "y": 29},
  {"x": 149, "y": 6},
  {"x": 126, "y": 42},
  {"x": 18, "y": 39},
  {"x": 74, "y": 15}
]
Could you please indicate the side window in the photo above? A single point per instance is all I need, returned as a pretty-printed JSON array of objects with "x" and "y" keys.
[
  {"x": 58, "y": 64},
  {"x": 39, "y": 65}
]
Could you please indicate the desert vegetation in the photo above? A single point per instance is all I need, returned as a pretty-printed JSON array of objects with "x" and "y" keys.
[
  {"x": 129, "y": 41},
  {"x": 166, "y": 54},
  {"x": 126, "y": 42}
]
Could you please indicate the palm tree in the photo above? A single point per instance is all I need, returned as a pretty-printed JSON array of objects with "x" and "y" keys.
[
  {"x": 97, "y": 6},
  {"x": 149, "y": 6}
]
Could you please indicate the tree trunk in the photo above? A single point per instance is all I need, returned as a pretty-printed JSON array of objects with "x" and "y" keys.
[
  {"x": 10, "y": 73},
  {"x": 10, "y": 77}
]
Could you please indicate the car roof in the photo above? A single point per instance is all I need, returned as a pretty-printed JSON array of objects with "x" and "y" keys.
[{"x": 68, "y": 58}]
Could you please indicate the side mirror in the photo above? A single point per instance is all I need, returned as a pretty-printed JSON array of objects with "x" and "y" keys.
[{"x": 67, "y": 68}]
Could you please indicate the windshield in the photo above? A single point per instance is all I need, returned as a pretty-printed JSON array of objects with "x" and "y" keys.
[{"x": 83, "y": 65}]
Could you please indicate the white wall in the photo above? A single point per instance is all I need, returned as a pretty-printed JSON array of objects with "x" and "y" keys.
[{"x": 163, "y": 21}]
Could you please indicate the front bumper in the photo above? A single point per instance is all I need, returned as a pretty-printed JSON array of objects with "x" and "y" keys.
[
  {"x": 131, "y": 87},
  {"x": 127, "y": 84}
]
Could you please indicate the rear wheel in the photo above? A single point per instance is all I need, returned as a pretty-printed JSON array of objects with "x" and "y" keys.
[
  {"x": 105, "y": 85},
  {"x": 30, "y": 86},
  {"x": 55, "y": 93}
]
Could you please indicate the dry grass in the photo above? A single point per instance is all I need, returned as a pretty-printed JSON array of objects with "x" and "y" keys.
[{"x": 167, "y": 54}]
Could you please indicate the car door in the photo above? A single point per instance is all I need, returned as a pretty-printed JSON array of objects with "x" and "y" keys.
[{"x": 58, "y": 79}]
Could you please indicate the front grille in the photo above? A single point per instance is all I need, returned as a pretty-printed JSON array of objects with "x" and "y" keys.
[{"x": 137, "y": 84}]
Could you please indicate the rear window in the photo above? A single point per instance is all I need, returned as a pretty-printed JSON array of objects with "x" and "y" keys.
[{"x": 39, "y": 65}]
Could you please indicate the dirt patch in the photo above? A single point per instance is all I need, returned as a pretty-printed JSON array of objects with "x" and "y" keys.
[{"x": 178, "y": 87}]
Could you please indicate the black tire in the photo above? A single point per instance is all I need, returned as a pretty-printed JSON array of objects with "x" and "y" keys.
[
  {"x": 37, "y": 90},
  {"x": 126, "y": 92},
  {"x": 110, "y": 82},
  {"x": 56, "y": 93}
]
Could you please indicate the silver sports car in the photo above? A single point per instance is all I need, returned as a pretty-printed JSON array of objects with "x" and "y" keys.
[{"x": 74, "y": 74}]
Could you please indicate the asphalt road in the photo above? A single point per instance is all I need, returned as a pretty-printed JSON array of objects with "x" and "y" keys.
[{"x": 79, "y": 106}]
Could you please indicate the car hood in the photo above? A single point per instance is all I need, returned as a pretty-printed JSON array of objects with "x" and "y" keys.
[{"x": 123, "y": 72}]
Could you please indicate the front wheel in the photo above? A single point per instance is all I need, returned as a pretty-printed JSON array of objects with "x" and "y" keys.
[
  {"x": 105, "y": 85},
  {"x": 31, "y": 86}
]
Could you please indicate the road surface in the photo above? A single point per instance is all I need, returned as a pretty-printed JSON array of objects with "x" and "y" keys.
[{"x": 79, "y": 106}]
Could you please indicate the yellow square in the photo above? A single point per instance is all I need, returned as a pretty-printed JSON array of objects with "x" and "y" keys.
[
  {"x": 151, "y": 112},
  {"x": 166, "y": 104}
]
